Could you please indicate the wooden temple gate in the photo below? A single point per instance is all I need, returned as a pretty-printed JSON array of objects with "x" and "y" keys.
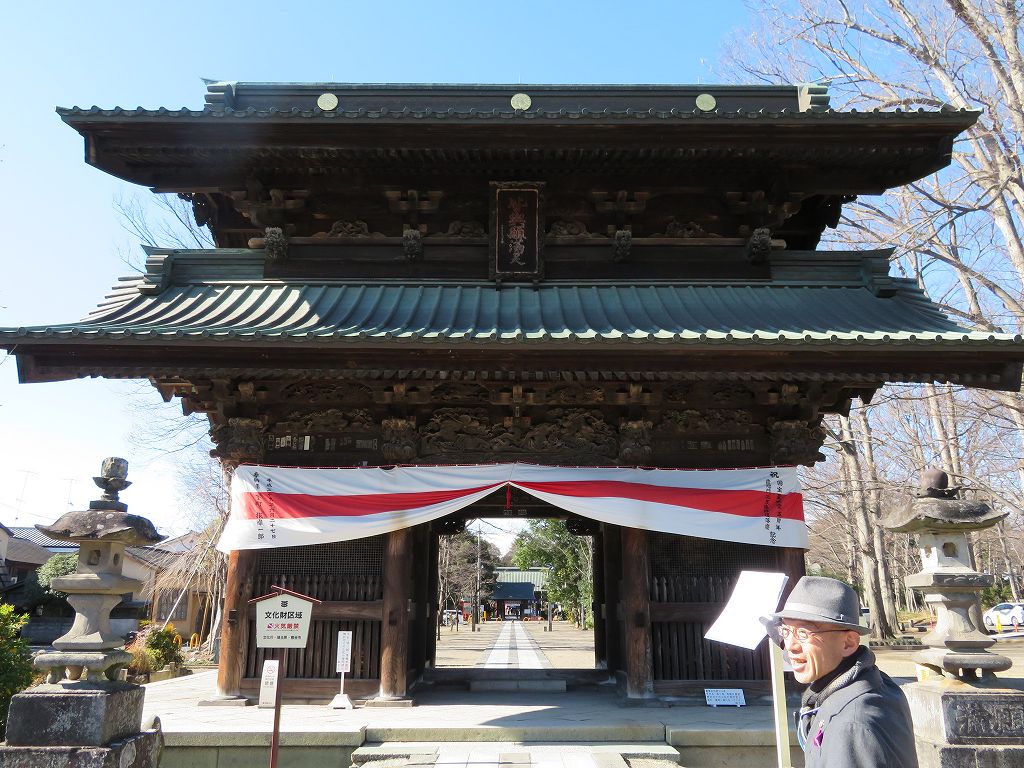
[{"x": 584, "y": 276}]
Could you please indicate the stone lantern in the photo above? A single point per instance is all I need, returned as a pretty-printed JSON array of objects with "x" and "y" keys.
[
  {"x": 941, "y": 523},
  {"x": 964, "y": 715},
  {"x": 81, "y": 705},
  {"x": 101, "y": 532}
]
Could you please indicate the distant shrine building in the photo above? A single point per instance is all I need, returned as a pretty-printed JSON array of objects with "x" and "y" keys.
[{"x": 570, "y": 277}]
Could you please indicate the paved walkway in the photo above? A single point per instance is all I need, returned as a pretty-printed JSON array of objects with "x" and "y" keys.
[
  {"x": 514, "y": 649},
  {"x": 517, "y": 645}
]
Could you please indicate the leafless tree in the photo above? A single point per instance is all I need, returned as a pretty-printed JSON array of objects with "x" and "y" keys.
[{"x": 958, "y": 233}]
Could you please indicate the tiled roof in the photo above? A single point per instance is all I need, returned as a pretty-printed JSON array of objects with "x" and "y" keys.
[
  {"x": 275, "y": 311},
  {"x": 34, "y": 535},
  {"x": 536, "y": 576},
  {"x": 77, "y": 114},
  {"x": 23, "y": 551}
]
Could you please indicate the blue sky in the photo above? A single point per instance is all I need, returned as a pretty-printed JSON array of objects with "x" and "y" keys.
[{"x": 63, "y": 242}]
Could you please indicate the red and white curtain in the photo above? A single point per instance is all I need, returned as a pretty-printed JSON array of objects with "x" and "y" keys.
[{"x": 292, "y": 506}]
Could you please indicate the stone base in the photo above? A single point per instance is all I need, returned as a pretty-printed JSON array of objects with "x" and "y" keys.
[
  {"x": 934, "y": 756},
  {"x": 968, "y": 724},
  {"x": 379, "y": 702},
  {"x": 954, "y": 663},
  {"x": 226, "y": 701},
  {"x": 75, "y": 713},
  {"x": 142, "y": 750}
]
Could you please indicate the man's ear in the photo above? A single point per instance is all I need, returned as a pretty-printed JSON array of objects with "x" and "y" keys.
[{"x": 851, "y": 642}]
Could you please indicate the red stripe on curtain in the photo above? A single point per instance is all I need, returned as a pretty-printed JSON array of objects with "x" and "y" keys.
[
  {"x": 742, "y": 503},
  {"x": 300, "y": 505}
]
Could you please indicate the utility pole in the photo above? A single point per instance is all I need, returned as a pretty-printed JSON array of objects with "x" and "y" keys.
[{"x": 476, "y": 598}]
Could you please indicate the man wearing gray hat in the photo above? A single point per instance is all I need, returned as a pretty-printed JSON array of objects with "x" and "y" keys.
[{"x": 852, "y": 714}]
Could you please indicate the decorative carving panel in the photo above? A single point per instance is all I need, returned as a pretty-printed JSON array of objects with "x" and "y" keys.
[
  {"x": 572, "y": 433},
  {"x": 796, "y": 442}
]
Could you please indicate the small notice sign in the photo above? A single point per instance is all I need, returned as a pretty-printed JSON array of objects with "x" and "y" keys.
[
  {"x": 282, "y": 621},
  {"x": 724, "y": 697},
  {"x": 344, "y": 652},
  {"x": 268, "y": 684}
]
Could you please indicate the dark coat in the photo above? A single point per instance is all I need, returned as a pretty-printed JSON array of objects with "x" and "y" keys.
[{"x": 865, "y": 724}]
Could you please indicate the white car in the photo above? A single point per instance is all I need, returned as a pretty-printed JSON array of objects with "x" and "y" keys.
[{"x": 1010, "y": 616}]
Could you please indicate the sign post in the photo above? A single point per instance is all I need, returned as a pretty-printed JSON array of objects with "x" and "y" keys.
[
  {"x": 282, "y": 621},
  {"x": 757, "y": 594},
  {"x": 342, "y": 701}
]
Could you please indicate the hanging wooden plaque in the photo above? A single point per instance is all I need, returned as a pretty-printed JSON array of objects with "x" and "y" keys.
[{"x": 517, "y": 229}]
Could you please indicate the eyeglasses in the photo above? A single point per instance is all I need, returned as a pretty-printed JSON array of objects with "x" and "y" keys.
[{"x": 803, "y": 634}]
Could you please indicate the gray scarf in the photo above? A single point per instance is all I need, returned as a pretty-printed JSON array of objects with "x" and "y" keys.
[{"x": 847, "y": 671}]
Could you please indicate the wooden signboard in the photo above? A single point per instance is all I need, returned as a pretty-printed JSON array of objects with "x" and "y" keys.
[
  {"x": 342, "y": 701},
  {"x": 517, "y": 232},
  {"x": 282, "y": 621}
]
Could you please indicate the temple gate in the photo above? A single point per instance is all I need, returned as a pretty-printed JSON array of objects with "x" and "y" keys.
[{"x": 569, "y": 276}]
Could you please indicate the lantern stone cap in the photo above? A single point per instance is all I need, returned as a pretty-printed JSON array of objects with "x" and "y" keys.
[
  {"x": 923, "y": 515},
  {"x": 103, "y": 525}
]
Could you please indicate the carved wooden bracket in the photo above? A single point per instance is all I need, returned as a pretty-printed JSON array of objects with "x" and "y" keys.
[
  {"x": 240, "y": 440},
  {"x": 621, "y": 245},
  {"x": 275, "y": 243},
  {"x": 759, "y": 245},
  {"x": 412, "y": 244},
  {"x": 268, "y": 208},
  {"x": 635, "y": 442},
  {"x": 622, "y": 201},
  {"x": 413, "y": 201},
  {"x": 398, "y": 440},
  {"x": 796, "y": 442}
]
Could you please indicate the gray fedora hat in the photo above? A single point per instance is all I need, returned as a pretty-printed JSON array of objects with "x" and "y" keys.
[{"x": 817, "y": 598}]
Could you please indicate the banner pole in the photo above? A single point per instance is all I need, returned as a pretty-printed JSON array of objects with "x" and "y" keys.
[{"x": 779, "y": 705}]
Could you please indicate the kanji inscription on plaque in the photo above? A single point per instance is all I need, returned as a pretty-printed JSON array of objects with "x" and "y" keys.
[{"x": 517, "y": 239}]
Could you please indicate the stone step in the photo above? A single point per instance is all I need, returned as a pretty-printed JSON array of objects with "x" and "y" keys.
[
  {"x": 547, "y": 686},
  {"x": 515, "y": 755}
]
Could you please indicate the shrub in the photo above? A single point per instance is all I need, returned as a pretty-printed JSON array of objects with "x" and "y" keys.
[
  {"x": 142, "y": 660},
  {"x": 161, "y": 644},
  {"x": 56, "y": 566},
  {"x": 15, "y": 660}
]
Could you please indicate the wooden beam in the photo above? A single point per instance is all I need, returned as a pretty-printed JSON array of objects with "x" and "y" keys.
[
  {"x": 349, "y": 610},
  {"x": 235, "y": 633},
  {"x": 394, "y": 634},
  {"x": 692, "y": 612},
  {"x": 636, "y": 599}
]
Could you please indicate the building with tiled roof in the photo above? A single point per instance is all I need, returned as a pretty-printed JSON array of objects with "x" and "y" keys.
[{"x": 583, "y": 276}]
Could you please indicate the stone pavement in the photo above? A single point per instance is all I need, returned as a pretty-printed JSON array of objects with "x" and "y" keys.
[
  {"x": 560, "y": 730},
  {"x": 565, "y": 647}
]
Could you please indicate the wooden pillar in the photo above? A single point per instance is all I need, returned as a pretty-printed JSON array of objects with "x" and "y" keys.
[
  {"x": 791, "y": 562},
  {"x": 234, "y": 637},
  {"x": 636, "y": 606},
  {"x": 394, "y": 633},
  {"x": 420, "y": 627},
  {"x": 433, "y": 578},
  {"x": 597, "y": 606},
  {"x": 611, "y": 555}
]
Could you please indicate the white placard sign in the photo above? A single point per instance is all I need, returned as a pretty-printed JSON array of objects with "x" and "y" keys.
[
  {"x": 268, "y": 684},
  {"x": 344, "y": 652},
  {"x": 756, "y": 594},
  {"x": 282, "y": 621},
  {"x": 724, "y": 697}
]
